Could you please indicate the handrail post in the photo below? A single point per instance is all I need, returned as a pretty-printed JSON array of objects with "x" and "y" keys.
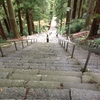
[
  {"x": 27, "y": 42},
  {"x": 22, "y": 44},
  {"x": 67, "y": 47},
  {"x": 73, "y": 51},
  {"x": 1, "y": 52},
  {"x": 87, "y": 60},
  {"x": 64, "y": 44},
  {"x": 15, "y": 45},
  {"x": 31, "y": 41}
]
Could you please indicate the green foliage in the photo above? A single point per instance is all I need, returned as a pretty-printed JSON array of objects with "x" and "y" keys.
[
  {"x": 60, "y": 9},
  {"x": 62, "y": 30},
  {"x": 25, "y": 33},
  {"x": 10, "y": 35},
  {"x": 76, "y": 25},
  {"x": 38, "y": 9},
  {"x": 97, "y": 16},
  {"x": 2, "y": 41},
  {"x": 97, "y": 41}
]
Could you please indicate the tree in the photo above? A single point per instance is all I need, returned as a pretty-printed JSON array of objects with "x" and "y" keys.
[
  {"x": 68, "y": 15},
  {"x": 74, "y": 9},
  {"x": 96, "y": 21},
  {"x": 12, "y": 19},
  {"x": 60, "y": 11},
  {"x": 6, "y": 19},
  {"x": 90, "y": 13},
  {"x": 80, "y": 8},
  {"x": 2, "y": 34},
  {"x": 20, "y": 17}
]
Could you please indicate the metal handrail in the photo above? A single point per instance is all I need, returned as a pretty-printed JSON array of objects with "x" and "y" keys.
[
  {"x": 15, "y": 44},
  {"x": 90, "y": 50}
]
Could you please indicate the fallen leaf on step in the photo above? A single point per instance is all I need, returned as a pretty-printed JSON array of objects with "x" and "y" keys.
[
  {"x": 61, "y": 86},
  {"x": 1, "y": 89}
]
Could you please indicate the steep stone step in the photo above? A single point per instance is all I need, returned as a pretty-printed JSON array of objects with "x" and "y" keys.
[
  {"x": 65, "y": 85},
  {"x": 48, "y": 72},
  {"x": 34, "y": 94},
  {"x": 62, "y": 73},
  {"x": 3, "y": 75},
  {"x": 81, "y": 94},
  {"x": 11, "y": 83},
  {"x": 12, "y": 93},
  {"x": 41, "y": 72},
  {"x": 47, "y": 84},
  {"x": 55, "y": 78},
  {"x": 49, "y": 94},
  {"x": 94, "y": 77},
  {"x": 86, "y": 86}
]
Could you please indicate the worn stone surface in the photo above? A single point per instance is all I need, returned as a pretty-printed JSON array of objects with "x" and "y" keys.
[
  {"x": 24, "y": 76},
  {"x": 43, "y": 84},
  {"x": 12, "y": 93},
  {"x": 9, "y": 70},
  {"x": 11, "y": 83},
  {"x": 48, "y": 94},
  {"x": 3, "y": 75},
  {"x": 86, "y": 86},
  {"x": 62, "y": 73},
  {"x": 87, "y": 79},
  {"x": 78, "y": 94},
  {"x": 60, "y": 78}
]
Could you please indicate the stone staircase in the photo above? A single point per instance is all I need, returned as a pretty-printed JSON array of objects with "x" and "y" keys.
[{"x": 44, "y": 71}]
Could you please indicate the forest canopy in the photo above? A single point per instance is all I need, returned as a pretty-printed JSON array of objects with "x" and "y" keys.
[{"x": 27, "y": 17}]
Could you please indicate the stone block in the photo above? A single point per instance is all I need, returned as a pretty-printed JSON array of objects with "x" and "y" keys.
[
  {"x": 12, "y": 93},
  {"x": 42, "y": 84},
  {"x": 25, "y": 76},
  {"x": 48, "y": 94},
  {"x": 11, "y": 83},
  {"x": 78, "y": 94}
]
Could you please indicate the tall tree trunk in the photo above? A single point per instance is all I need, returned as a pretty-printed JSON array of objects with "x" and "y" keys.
[
  {"x": 39, "y": 26},
  {"x": 51, "y": 14},
  {"x": 89, "y": 13},
  {"x": 12, "y": 19},
  {"x": 2, "y": 32},
  {"x": 27, "y": 19},
  {"x": 74, "y": 9},
  {"x": 68, "y": 14},
  {"x": 80, "y": 9},
  {"x": 20, "y": 19},
  {"x": 7, "y": 22},
  {"x": 29, "y": 22},
  {"x": 83, "y": 10},
  {"x": 96, "y": 21},
  {"x": 33, "y": 26}
]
